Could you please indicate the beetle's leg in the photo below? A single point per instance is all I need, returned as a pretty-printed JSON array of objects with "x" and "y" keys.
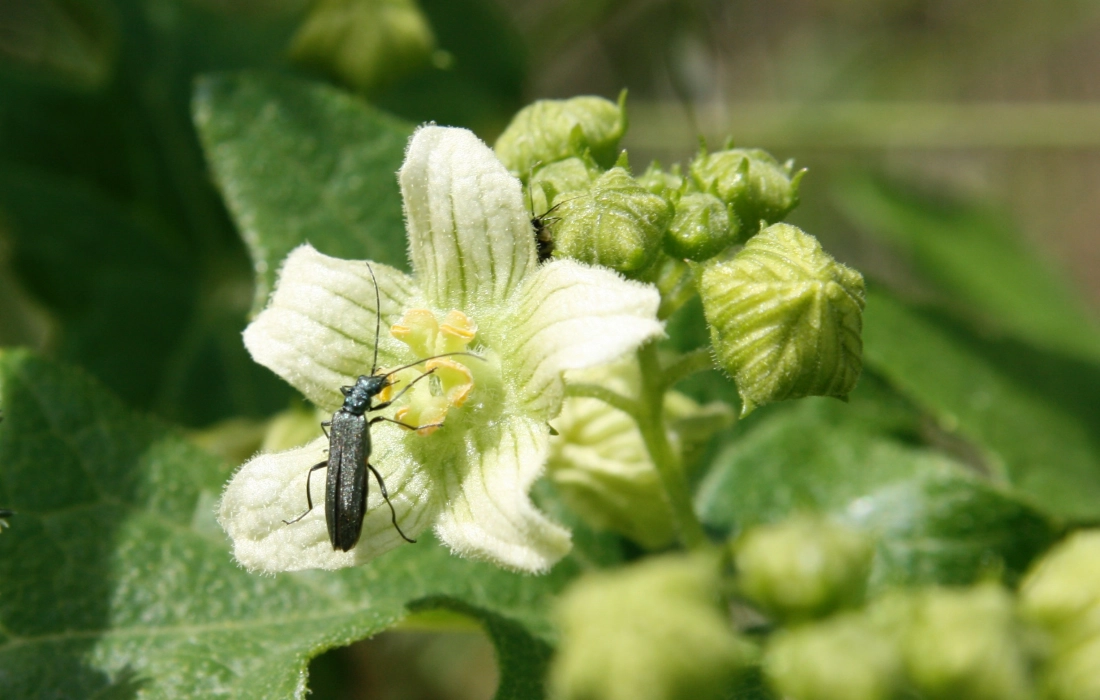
[
  {"x": 309, "y": 498},
  {"x": 377, "y": 419},
  {"x": 386, "y": 498},
  {"x": 325, "y": 424},
  {"x": 408, "y": 386}
]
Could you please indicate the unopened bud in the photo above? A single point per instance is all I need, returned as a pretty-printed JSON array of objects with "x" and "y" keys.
[
  {"x": 561, "y": 180},
  {"x": 1061, "y": 594},
  {"x": 966, "y": 644},
  {"x": 803, "y": 567},
  {"x": 652, "y": 631},
  {"x": 618, "y": 224},
  {"x": 366, "y": 43},
  {"x": 701, "y": 228},
  {"x": 785, "y": 318},
  {"x": 755, "y": 185},
  {"x": 552, "y": 130},
  {"x": 847, "y": 657},
  {"x": 661, "y": 182}
]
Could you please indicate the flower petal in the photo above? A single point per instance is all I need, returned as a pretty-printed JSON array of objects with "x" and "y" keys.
[
  {"x": 318, "y": 330},
  {"x": 571, "y": 316},
  {"x": 489, "y": 515},
  {"x": 470, "y": 236},
  {"x": 270, "y": 489}
]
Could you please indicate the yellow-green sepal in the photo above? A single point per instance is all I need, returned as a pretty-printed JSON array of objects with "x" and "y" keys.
[{"x": 785, "y": 318}]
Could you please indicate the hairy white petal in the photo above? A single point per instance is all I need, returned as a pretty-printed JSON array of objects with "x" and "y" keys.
[
  {"x": 318, "y": 331},
  {"x": 271, "y": 488},
  {"x": 572, "y": 316},
  {"x": 470, "y": 236},
  {"x": 488, "y": 514}
]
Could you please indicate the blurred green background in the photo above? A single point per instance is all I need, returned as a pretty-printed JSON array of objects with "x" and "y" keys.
[{"x": 925, "y": 124}]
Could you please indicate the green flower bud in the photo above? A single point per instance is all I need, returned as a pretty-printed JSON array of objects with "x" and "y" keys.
[
  {"x": 751, "y": 181},
  {"x": 1061, "y": 594},
  {"x": 1063, "y": 588},
  {"x": 618, "y": 224},
  {"x": 571, "y": 175},
  {"x": 848, "y": 657},
  {"x": 653, "y": 631},
  {"x": 1072, "y": 674},
  {"x": 803, "y": 567},
  {"x": 365, "y": 43},
  {"x": 551, "y": 130},
  {"x": 785, "y": 318},
  {"x": 660, "y": 182},
  {"x": 599, "y": 462},
  {"x": 702, "y": 227},
  {"x": 965, "y": 644}
]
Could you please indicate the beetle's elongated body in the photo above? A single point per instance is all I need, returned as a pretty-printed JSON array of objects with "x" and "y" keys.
[{"x": 348, "y": 461}]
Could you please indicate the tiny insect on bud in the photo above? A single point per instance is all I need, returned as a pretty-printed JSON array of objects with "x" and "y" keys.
[{"x": 618, "y": 224}]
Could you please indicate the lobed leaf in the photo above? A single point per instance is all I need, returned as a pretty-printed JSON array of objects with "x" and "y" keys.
[
  {"x": 935, "y": 521},
  {"x": 114, "y": 578},
  {"x": 1032, "y": 411},
  {"x": 303, "y": 162}
]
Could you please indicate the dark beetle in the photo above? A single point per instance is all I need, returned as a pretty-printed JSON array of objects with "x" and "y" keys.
[{"x": 349, "y": 448}]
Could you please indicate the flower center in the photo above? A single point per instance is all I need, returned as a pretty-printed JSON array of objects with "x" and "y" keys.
[{"x": 451, "y": 382}]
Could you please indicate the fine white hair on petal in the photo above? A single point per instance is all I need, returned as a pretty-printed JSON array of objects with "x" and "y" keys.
[
  {"x": 470, "y": 236},
  {"x": 489, "y": 515},
  {"x": 571, "y": 316},
  {"x": 271, "y": 488},
  {"x": 318, "y": 331}
]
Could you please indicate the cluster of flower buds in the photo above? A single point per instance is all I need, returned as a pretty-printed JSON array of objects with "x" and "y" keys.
[
  {"x": 978, "y": 642},
  {"x": 785, "y": 316},
  {"x": 566, "y": 151}
]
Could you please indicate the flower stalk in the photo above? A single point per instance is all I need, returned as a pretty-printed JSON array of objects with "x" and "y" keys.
[{"x": 669, "y": 465}]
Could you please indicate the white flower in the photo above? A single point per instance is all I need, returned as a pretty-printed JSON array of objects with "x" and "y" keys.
[{"x": 476, "y": 285}]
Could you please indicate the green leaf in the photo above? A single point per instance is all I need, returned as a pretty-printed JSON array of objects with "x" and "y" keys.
[
  {"x": 935, "y": 522},
  {"x": 114, "y": 577},
  {"x": 127, "y": 301},
  {"x": 108, "y": 200},
  {"x": 976, "y": 256},
  {"x": 301, "y": 162},
  {"x": 1032, "y": 411}
]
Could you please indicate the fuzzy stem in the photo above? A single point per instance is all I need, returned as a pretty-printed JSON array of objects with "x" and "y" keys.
[
  {"x": 651, "y": 423},
  {"x": 688, "y": 364},
  {"x": 612, "y": 398}
]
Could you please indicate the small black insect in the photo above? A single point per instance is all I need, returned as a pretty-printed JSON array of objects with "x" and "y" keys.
[
  {"x": 350, "y": 447},
  {"x": 544, "y": 238}
]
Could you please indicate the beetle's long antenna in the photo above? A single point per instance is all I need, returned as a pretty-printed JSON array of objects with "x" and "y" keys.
[
  {"x": 377, "y": 318},
  {"x": 433, "y": 357}
]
